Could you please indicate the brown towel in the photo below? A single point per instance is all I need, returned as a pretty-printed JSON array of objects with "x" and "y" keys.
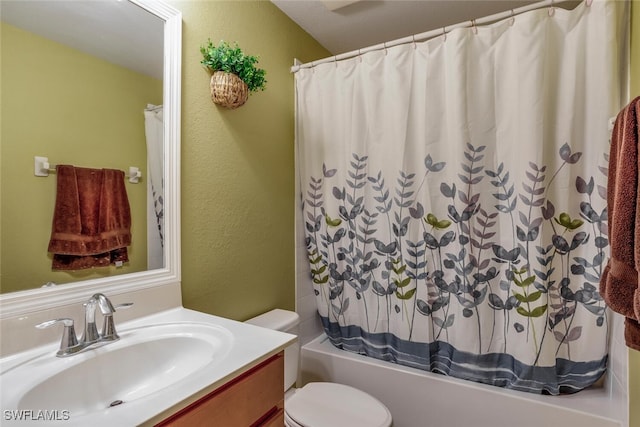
[
  {"x": 92, "y": 218},
  {"x": 619, "y": 282}
]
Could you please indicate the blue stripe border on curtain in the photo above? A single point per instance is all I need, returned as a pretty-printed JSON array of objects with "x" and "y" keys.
[{"x": 498, "y": 369}]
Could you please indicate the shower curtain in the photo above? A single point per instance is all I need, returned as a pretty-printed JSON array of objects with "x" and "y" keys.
[
  {"x": 154, "y": 131},
  {"x": 454, "y": 200}
]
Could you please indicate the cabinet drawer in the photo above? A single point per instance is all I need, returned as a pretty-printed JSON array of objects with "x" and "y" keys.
[
  {"x": 253, "y": 398},
  {"x": 276, "y": 420}
]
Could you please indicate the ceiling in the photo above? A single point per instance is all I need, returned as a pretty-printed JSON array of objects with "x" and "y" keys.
[
  {"x": 347, "y": 25},
  {"x": 117, "y": 31},
  {"x": 124, "y": 34}
]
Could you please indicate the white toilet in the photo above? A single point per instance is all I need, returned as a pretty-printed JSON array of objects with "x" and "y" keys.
[{"x": 320, "y": 404}]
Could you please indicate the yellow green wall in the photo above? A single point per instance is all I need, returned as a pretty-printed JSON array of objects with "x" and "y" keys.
[
  {"x": 634, "y": 356},
  {"x": 238, "y": 165},
  {"x": 75, "y": 109}
]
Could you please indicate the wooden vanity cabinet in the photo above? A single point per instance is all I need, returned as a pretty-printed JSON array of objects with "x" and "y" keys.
[{"x": 254, "y": 398}]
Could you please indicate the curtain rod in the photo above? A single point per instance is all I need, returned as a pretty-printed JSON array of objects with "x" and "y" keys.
[{"x": 434, "y": 33}]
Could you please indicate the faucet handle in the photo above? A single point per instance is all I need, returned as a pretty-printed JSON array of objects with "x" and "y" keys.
[
  {"x": 69, "y": 338},
  {"x": 68, "y": 323},
  {"x": 123, "y": 306}
]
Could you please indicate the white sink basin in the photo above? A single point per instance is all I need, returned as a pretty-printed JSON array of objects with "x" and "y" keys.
[
  {"x": 161, "y": 363},
  {"x": 144, "y": 361}
]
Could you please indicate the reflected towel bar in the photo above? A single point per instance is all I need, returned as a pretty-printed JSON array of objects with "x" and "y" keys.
[{"x": 41, "y": 167}]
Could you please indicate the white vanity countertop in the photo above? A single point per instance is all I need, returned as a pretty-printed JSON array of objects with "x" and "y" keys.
[{"x": 249, "y": 346}]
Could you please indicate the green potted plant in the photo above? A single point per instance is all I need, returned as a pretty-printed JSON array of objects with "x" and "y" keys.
[{"x": 234, "y": 74}]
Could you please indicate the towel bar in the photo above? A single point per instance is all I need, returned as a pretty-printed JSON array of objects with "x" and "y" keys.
[{"x": 42, "y": 167}]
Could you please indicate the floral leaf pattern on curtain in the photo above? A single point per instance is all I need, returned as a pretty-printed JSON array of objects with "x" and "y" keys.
[
  {"x": 454, "y": 199},
  {"x": 530, "y": 285},
  {"x": 158, "y": 208}
]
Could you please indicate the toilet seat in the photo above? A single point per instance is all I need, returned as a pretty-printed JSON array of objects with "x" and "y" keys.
[
  {"x": 288, "y": 422},
  {"x": 323, "y": 404}
]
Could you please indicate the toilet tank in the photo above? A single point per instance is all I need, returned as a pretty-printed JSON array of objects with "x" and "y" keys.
[{"x": 283, "y": 321}]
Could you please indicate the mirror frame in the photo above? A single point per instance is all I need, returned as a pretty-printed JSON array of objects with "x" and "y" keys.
[{"x": 16, "y": 303}]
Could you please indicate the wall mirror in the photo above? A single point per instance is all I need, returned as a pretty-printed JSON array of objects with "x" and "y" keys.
[{"x": 165, "y": 62}]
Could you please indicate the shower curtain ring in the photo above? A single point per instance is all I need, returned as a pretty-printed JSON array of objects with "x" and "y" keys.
[
  {"x": 552, "y": 9},
  {"x": 512, "y": 20},
  {"x": 473, "y": 26},
  {"x": 384, "y": 45},
  {"x": 444, "y": 34},
  {"x": 413, "y": 38}
]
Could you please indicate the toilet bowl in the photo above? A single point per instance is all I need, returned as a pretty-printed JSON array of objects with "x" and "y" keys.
[{"x": 320, "y": 404}]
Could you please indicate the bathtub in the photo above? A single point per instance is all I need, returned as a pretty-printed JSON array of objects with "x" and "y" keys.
[{"x": 423, "y": 399}]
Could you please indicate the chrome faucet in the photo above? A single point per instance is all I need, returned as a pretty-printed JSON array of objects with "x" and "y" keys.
[
  {"x": 69, "y": 345},
  {"x": 90, "y": 334},
  {"x": 107, "y": 309}
]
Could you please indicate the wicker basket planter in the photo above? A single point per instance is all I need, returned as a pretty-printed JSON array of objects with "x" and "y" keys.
[{"x": 228, "y": 90}]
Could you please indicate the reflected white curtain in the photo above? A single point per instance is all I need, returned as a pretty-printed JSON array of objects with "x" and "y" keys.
[
  {"x": 454, "y": 197},
  {"x": 154, "y": 131}
]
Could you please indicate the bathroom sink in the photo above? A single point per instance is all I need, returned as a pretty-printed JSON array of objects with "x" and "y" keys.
[
  {"x": 145, "y": 360},
  {"x": 161, "y": 363}
]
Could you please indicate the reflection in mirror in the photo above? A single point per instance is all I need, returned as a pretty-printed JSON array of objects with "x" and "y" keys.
[
  {"x": 85, "y": 104},
  {"x": 82, "y": 85}
]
